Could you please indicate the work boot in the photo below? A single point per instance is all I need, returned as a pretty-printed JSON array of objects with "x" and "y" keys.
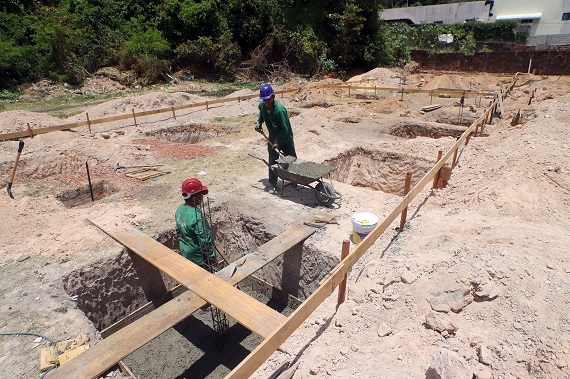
[{"x": 269, "y": 187}]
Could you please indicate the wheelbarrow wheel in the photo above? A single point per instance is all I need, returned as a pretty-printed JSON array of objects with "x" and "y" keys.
[{"x": 326, "y": 194}]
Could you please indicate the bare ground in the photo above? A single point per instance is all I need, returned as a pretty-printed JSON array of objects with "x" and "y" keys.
[{"x": 476, "y": 286}]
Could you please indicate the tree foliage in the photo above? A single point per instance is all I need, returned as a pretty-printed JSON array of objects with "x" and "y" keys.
[{"x": 70, "y": 39}]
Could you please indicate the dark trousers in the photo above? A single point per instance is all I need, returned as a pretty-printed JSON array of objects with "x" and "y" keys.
[{"x": 288, "y": 149}]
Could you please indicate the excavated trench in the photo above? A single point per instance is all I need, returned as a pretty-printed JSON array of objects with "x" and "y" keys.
[
  {"x": 113, "y": 291},
  {"x": 192, "y": 133},
  {"x": 83, "y": 195},
  {"x": 379, "y": 170},
  {"x": 414, "y": 130}
]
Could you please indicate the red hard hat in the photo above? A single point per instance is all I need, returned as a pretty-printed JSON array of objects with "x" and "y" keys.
[{"x": 193, "y": 186}]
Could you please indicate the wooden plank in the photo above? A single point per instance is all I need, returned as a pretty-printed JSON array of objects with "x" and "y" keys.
[
  {"x": 106, "y": 353},
  {"x": 249, "y": 312},
  {"x": 146, "y": 173}
]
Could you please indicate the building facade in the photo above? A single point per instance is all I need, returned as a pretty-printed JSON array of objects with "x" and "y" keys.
[{"x": 547, "y": 21}]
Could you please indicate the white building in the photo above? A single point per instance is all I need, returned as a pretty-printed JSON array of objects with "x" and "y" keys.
[{"x": 548, "y": 21}]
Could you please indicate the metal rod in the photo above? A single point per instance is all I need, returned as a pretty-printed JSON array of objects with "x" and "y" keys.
[{"x": 89, "y": 181}]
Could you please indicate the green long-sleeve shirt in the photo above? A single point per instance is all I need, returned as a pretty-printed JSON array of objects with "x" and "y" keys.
[
  {"x": 277, "y": 122},
  {"x": 193, "y": 232}
]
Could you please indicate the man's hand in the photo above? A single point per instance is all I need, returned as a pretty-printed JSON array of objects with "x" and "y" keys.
[
  {"x": 258, "y": 128},
  {"x": 276, "y": 144}
]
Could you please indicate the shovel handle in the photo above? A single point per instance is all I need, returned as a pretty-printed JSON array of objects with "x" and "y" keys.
[
  {"x": 9, "y": 186},
  {"x": 271, "y": 144}
]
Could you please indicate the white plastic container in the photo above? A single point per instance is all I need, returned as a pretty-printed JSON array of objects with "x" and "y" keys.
[{"x": 362, "y": 224}]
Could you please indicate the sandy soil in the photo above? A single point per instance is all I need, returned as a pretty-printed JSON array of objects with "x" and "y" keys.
[{"x": 476, "y": 286}]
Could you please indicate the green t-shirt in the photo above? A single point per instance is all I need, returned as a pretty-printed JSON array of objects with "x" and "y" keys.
[
  {"x": 277, "y": 122},
  {"x": 193, "y": 232}
]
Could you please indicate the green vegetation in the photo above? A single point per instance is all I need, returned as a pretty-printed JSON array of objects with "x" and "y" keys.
[{"x": 221, "y": 40}]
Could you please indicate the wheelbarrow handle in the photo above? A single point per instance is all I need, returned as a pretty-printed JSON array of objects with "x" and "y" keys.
[{"x": 261, "y": 159}]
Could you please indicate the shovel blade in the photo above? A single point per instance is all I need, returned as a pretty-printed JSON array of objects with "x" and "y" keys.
[{"x": 9, "y": 189}]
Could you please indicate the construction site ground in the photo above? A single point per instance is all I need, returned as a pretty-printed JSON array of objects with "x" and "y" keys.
[{"x": 477, "y": 285}]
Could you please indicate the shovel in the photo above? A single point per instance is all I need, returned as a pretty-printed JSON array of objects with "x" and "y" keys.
[
  {"x": 9, "y": 187},
  {"x": 282, "y": 157}
]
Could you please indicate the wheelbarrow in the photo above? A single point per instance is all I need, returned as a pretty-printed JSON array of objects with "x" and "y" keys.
[{"x": 307, "y": 174}]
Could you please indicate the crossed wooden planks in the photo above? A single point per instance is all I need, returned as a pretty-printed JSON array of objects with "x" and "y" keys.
[{"x": 106, "y": 353}]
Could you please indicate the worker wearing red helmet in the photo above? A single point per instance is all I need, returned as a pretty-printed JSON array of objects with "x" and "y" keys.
[
  {"x": 276, "y": 119},
  {"x": 195, "y": 236}
]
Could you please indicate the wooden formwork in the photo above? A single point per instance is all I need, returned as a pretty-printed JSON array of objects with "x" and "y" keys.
[{"x": 203, "y": 286}]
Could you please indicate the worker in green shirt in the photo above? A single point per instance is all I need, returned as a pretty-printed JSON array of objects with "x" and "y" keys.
[
  {"x": 276, "y": 119},
  {"x": 195, "y": 236}
]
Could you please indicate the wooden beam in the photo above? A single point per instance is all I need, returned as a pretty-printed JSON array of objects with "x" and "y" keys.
[
  {"x": 106, "y": 353},
  {"x": 249, "y": 312}
]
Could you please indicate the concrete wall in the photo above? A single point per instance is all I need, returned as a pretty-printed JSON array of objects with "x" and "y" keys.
[{"x": 549, "y": 62}]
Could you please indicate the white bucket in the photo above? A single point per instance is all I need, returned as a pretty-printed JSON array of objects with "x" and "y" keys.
[{"x": 362, "y": 224}]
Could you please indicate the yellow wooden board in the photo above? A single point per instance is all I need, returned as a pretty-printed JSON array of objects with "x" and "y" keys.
[
  {"x": 48, "y": 357},
  {"x": 146, "y": 173},
  {"x": 249, "y": 312}
]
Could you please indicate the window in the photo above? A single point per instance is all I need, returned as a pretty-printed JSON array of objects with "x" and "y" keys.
[
  {"x": 526, "y": 21},
  {"x": 566, "y": 16},
  {"x": 438, "y": 22}
]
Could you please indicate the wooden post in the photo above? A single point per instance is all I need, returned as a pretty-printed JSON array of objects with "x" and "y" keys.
[
  {"x": 30, "y": 130},
  {"x": 516, "y": 118},
  {"x": 436, "y": 176},
  {"x": 476, "y": 129},
  {"x": 349, "y": 91},
  {"x": 88, "y": 123},
  {"x": 173, "y": 113},
  {"x": 207, "y": 108},
  {"x": 342, "y": 285},
  {"x": 402, "y": 98},
  {"x": 467, "y": 139},
  {"x": 454, "y": 161},
  {"x": 135, "y": 118},
  {"x": 406, "y": 190},
  {"x": 430, "y": 97}
]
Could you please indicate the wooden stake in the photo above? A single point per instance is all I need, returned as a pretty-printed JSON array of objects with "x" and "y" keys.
[
  {"x": 30, "y": 130},
  {"x": 467, "y": 139},
  {"x": 436, "y": 176},
  {"x": 88, "y": 123},
  {"x": 135, "y": 118},
  {"x": 173, "y": 113},
  {"x": 454, "y": 161},
  {"x": 207, "y": 108},
  {"x": 342, "y": 285},
  {"x": 406, "y": 190}
]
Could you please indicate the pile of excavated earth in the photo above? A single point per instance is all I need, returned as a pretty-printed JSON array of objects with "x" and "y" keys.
[{"x": 476, "y": 285}]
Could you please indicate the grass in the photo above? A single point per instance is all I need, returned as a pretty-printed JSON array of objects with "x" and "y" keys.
[{"x": 69, "y": 104}]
